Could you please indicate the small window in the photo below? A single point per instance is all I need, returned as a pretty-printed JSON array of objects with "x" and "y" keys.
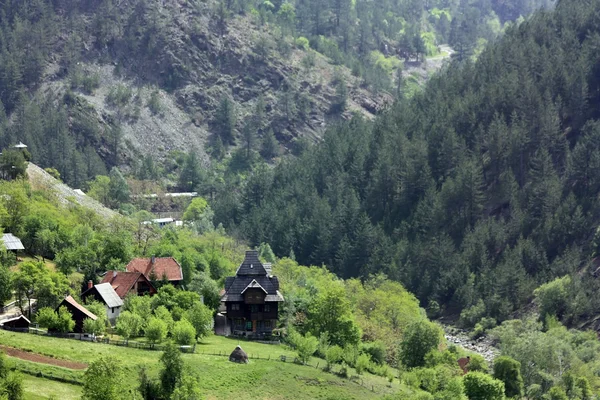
[
  {"x": 249, "y": 325},
  {"x": 254, "y": 308},
  {"x": 267, "y": 323},
  {"x": 235, "y": 307},
  {"x": 267, "y": 307},
  {"x": 113, "y": 310}
]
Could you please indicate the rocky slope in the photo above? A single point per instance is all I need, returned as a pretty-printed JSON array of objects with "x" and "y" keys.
[
  {"x": 41, "y": 180},
  {"x": 190, "y": 67}
]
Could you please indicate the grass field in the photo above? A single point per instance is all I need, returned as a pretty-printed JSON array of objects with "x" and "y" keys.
[
  {"x": 219, "y": 378},
  {"x": 39, "y": 388}
]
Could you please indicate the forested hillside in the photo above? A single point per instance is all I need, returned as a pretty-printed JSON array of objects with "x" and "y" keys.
[
  {"x": 89, "y": 85},
  {"x": 473, "y": 193}
]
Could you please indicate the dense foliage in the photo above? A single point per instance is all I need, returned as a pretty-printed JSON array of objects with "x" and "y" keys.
[{"x": 472, "y": 194}]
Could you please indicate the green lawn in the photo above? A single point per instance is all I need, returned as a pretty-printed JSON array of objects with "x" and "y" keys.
[
  {"x": 261, "y": 379},
  {"x": 39, "y": 388}
]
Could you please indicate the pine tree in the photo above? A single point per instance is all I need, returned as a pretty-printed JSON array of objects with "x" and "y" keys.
[
  {"x": 270, "y": 147},
  {"x": 225, "y": 121}
]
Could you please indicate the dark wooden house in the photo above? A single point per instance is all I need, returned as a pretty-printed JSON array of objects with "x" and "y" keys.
[
  {"x": 252, "y": 299},
  {"x": 79, "y": 312}
]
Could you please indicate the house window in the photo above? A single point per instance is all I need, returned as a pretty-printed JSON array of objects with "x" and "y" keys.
[
  {"x": 249, "y": 325},
  {"x": 267, "y": 307},
  {"x": 267, "y": 323},
  {"x": 253, "y": 308},
  {"x": 235, "y": 307}
]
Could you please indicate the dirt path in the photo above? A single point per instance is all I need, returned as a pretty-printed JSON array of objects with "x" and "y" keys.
[{"x": 27, "y": 356}]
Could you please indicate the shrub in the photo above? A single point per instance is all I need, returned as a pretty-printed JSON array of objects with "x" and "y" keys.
[
  {"x": 552, "y": 297},
  {"x": 508, "y": 371},
  {"x": 419, "y": 339},
  {"x": 184, "y": 332},
  {"x": 362, "y": 363},
  {"x": 156, "y": 331},
  {"x": 334, "y": 355},
  {"x": 481, "y": 386},
  {"x": 302, "y": 43},
  {"x": 375, "y": 350},
  {"x": 154, "y": 102},
  {"x": 305, "y": 345},
  {"x": 470, "y": 316}
]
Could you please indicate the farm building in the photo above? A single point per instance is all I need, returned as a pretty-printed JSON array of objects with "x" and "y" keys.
[
  {"x": 79, "y": 312},
  {"x": 12, "y": 243},
  {"x": 19, "y": 322},
  {"x": 251, "y": 299},
  {"x": 105, "y": 294},
  {"x": 124, "y": 283}
]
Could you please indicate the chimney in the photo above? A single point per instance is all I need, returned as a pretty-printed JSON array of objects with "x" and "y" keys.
[
  {"x": 90, "y": 284},
  {"x": 114, "y": 274},
  {"x": 153, "y": 260}
]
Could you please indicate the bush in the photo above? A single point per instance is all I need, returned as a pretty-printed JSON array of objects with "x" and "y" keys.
[
  {"x": 552, "y": 297},
  {"x": 362, "y": 363},
  {"x": 508, "y": 371},
  {"x": 184, "y": 332},
  {"x": 419, "y": 339},
  {"x": 302, "y": 43},
  {"x": 481, "y": 386},
  {"x": 156, "y": 331},
  {"x": 154, "y": 102},
  {"x": 334, "y": 355},
  {"x": 375, "y": 350},
  {"x": 470, "y": 316},
  {"x": 304, "y": 345}
]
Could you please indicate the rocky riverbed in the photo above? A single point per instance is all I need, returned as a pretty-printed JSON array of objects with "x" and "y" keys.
[{"x": 482, "y": 345}]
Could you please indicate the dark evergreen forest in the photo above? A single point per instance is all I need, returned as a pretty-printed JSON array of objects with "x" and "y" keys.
[{"x": 472, "y": 193}]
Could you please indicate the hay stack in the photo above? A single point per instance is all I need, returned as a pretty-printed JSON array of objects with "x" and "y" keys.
[{"x": 239, "y": 356}]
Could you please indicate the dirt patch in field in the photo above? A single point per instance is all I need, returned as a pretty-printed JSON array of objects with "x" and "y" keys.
[{"x": 34, "y": 357}]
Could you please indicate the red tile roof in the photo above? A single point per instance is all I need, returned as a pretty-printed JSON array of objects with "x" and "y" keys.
[
  {"x": 162, "y": 266},
  {"x": 81, "y": 308},
  {"x": 122, "y": 282}
]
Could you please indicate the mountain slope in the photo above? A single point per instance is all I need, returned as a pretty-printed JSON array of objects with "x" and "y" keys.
[
  {"x": 472, "y": 194},
  {"x": 91, "y": 85}
]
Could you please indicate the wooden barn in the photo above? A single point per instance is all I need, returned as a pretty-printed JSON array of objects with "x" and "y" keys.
[{"x": 79, "y": 312}]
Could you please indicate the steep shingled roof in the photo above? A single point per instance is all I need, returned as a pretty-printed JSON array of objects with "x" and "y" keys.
[
  {"x": 162, "y": 266},
  {"x": 251, "y": 274}
]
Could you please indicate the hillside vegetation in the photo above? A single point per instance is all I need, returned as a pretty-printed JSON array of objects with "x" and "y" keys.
[{"x": 472, "y": 194}]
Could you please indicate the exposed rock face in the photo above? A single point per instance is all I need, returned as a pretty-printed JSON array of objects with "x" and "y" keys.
[{"x": 181, "y": 51}]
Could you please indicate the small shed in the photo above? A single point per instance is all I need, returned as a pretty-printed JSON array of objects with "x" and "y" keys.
[
  {"x": 239, "y": 356},
  {"x": 79, "y": 312},
  {"x": 12, "y": 243},
  {"x": 19, "y": 322}
]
